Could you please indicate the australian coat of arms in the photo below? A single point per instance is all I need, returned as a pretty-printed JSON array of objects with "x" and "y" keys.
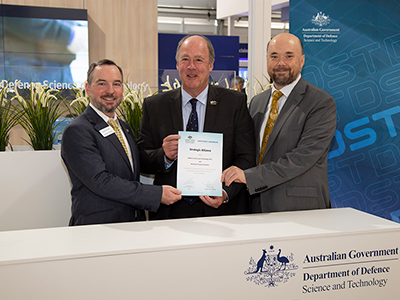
[
  {"x": 320, "y": 19},
  {"x": 271, "y": 268}
]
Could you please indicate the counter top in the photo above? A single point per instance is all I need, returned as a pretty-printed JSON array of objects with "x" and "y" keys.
[{"x": 121, "y": 238}]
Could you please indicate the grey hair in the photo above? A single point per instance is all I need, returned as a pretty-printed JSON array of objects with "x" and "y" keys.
[{"x": 211, "y": 52}]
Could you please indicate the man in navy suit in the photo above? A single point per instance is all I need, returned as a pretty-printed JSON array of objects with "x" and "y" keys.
[
  {"x": 219, "y": 110},
  {"x": 292, "y": 160},
  {"x": 104, "y": 168}
]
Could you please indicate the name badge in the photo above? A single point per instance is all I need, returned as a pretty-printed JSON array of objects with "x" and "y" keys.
[{"x": 105, "y": 132}]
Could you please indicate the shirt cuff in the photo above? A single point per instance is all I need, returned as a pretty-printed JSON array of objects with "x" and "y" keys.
[{"x": 167, "y": 164}]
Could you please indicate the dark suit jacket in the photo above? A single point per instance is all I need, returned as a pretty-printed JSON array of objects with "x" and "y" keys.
[
  {"x": 293, "y": 174},
  {"x": 227, "y": 113},
  {"x": 104, "y": 187}
]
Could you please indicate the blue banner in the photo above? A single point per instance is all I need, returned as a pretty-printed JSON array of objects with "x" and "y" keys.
[
  {"x": 352, "y": 51},
  {"x": 226, "y": 62}
]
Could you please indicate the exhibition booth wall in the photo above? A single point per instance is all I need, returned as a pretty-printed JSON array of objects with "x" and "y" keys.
[
  {"x": 128, "y": 35},
  {"x": 352, "y": 52}
]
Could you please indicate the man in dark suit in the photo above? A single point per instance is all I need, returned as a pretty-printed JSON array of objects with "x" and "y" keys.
[
  {"x": 218, "y": 110},
  {"x": 103, "y": 161},
  {"x": 292, "y": 155}
]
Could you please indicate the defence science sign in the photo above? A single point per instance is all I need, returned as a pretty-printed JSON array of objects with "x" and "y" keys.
[{"x": 352, "y": 52}]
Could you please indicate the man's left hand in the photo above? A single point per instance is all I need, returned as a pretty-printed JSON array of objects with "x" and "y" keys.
[{"x": 233, "y": 174}]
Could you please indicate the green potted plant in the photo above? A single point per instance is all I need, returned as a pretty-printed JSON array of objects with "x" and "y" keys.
[
  {"x": 8, "y": 117},
  {"x": 38, "y": 112},
  {"x": 81, "y": 101},
  {"x": 130, "y": 109}
]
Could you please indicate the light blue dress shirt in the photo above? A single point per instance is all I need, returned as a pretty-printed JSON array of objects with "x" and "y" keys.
[
  {"x": 187, "y": 109},
  {"x": 200, "y": 107}
]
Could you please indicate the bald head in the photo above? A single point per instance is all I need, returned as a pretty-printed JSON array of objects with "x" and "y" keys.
[
  {"x": 285, "y": 59},
  {"x": 287, "y": 36}
]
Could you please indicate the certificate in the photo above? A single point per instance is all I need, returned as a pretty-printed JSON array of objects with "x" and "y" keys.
[{"x": 200, "y": 163}]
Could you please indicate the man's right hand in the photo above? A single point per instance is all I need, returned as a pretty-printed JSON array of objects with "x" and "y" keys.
[
  {"x": 170, "y": 195},
  {"x": 170, "y": 147},
  {"x": 233, "y": 174}
]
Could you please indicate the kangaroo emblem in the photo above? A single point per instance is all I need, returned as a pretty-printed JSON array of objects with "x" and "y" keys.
[{"x": 260, "y": 263}]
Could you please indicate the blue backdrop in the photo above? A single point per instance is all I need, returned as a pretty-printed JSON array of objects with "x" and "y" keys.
[
  {"x": 226, "y": 63},
  {"x": 352, "y": 51}
]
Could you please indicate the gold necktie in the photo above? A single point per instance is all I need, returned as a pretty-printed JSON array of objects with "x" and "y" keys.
[
  {"x": 273, "y": 115},
  {"x": 118, "y": 133}
]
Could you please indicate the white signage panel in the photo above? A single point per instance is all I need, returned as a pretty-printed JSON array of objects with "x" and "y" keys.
[{"x": 322, "y": 254}]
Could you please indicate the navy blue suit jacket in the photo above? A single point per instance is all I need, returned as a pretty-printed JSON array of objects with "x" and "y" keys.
[{"x": 105, "y": 189}]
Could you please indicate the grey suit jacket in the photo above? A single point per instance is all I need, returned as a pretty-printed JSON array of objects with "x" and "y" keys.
[
  {"x": 105, "y": 189},
  {"x": 293, "y": 174},
  {"x": 226, "y": 113}
]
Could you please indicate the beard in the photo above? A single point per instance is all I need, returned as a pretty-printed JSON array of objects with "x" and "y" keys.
[
  {"x": 104, "y": 108},
  {"x": 283, "y": 80}
]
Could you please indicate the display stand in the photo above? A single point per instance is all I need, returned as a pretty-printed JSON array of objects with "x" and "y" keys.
[
  {"x": 35, "y": 190},
  {"x": 320, "y": 254}
]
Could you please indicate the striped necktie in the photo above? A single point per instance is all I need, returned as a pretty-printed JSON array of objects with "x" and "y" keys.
[
  {"x": 273, "y": 115},
  {"x": 114, "y": 125}
]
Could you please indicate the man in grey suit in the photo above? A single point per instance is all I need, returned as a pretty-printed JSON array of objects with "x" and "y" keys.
[
  {"x": 102, "y": 158},
  {"x": 217, "y": 110},
  {"x": 292, "y": 151}
]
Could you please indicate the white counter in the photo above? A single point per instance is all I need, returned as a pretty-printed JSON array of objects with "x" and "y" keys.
[
  {"x": 35, "y": 190},
  {"x": 206, "y": 258}
]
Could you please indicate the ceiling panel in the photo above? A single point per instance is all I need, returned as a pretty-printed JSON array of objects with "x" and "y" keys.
[{"x": 189, "y": 3}]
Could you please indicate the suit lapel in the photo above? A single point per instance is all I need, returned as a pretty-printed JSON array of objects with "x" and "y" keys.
[
  {"x": 175, "y": 105},
  {"x": 133, "y": 146},
  {"x": 211, "y": 109},
  {"x": 117, "y": 144},
  {"x": 294, "y": 99},
  {"x": 99, "y": 124},
  {"x": 259, "y": 118}
]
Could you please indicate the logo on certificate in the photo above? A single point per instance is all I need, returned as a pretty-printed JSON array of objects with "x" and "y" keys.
[
  {"x": 190, "y": 140},
  {"x": 272, "y": 268}
]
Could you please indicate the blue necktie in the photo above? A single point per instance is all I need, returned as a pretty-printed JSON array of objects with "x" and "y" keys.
[{"x": 192, "y": 125}]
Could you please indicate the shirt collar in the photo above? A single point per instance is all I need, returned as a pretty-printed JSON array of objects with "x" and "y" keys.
[
  {"x": 202, "y": 97},
  {"x": 287, "y": 89},
  {"x": 101, "y": 114}
]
